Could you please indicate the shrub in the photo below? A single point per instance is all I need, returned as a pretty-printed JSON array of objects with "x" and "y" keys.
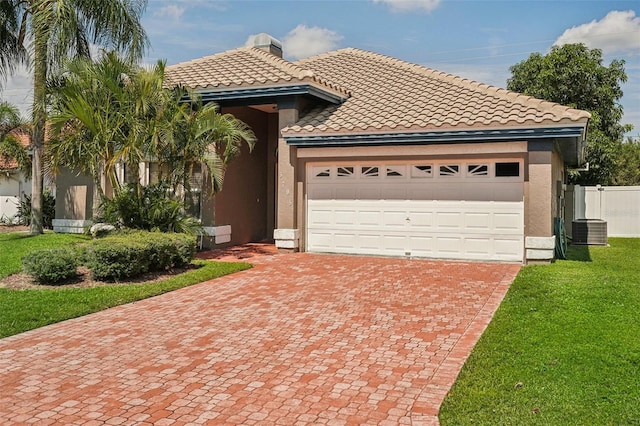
[
  {"x": 51, "y": 266},
  {"x": 23, "y": 214},
  {"x": 148, "y": 208},
  {"x": 171, "y": 250},
  {"x": 111, "y": 260},
  {"x": 132, "y": 252}
]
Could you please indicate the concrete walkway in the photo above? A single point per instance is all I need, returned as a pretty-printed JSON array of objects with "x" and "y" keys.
[{"x": 299, "y": 339}]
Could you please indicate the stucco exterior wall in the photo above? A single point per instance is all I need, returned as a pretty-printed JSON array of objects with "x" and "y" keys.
[
  {"x": 243, "y": 201},
  {"x": 558, "y": 175},
  {"x": 539, "y": 195},
  {"x": 74, "y": 196}
]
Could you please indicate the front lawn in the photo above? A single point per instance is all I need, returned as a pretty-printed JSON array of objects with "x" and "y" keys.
[
  {"x": 563, "y": 348},
  {"x": 22, "y": 310},
  {"x": 14, "y": 245}
]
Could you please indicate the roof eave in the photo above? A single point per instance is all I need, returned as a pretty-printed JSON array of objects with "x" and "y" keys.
[
  {"x": 431, "y": 137},
  {"x": 248, "y": 94}
]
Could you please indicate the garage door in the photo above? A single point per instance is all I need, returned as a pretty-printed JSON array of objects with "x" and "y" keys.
[{"x": 450, "y": 209}]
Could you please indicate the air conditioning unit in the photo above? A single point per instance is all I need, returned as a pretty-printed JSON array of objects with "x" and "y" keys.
[{"x": 589, "y": 232}]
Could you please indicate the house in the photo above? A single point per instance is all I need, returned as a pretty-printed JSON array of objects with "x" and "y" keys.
[
  {"x": 362, "y": 153},
  {"x": 13, "y": 184}
]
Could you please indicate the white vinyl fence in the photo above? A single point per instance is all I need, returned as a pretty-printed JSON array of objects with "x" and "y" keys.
[
  {"x": 8, "y": 208},
  {"x": 618, "y": 205}
]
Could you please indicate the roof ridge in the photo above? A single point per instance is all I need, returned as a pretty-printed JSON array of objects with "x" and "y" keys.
[
  {"x": 460, "y": 81},
  {"x": 288, "y": 66},
  {"x": 281, "y": 63}
]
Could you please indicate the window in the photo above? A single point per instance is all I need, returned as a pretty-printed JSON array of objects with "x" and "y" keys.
[
  {"x": 131, "y": 173},
  {"x": 508, "y": 169},
  {"x": 477, "y": 170},
  {"x": 422, "y": 171},
  {"x": 345, "y": 171},
  {"x": 369, "y": 171},
  {"x": 449, "y": 170},
  {"x": 395, "y": 171},
  {"x": 322, "y": 172}
]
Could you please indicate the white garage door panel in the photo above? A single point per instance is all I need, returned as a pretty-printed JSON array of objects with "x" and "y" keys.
[{"x": 460, "y": 218}]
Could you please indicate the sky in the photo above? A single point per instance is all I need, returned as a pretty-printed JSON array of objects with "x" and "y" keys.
[{"x": 475, "y": 39}]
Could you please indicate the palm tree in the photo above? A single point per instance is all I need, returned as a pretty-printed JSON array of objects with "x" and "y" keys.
[
  {"x": 195, "y": 134},
  {"x": 112, "y": 112},
  {"x": 46, "y": 32},
  {"x": 100, "y": 117},
  {"x": 10, "y": 147}
]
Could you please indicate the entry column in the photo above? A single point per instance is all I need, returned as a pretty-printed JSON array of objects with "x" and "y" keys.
[{"x": 286, "y": 234}]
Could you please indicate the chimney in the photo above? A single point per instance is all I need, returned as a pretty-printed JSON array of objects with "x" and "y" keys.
[{"x": 264, "y": 41}]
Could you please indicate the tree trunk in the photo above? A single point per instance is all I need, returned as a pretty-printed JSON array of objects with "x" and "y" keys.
[{"x": 39, "y": 122}]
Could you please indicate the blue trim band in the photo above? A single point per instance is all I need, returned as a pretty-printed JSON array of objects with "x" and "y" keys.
[
  {"x": 435, "y": 137},
  {"x": 270, "y": 92}
]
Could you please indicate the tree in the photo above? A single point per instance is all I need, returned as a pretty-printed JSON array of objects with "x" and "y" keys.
[
  {"x": 102, "y": 115},
  {"x": 195, "y": 134},
  {"x": 111, "y": 112},
  {"x": 574, "y": 75},
  {"x": 10, "y": 147},
  {"x": 628, "y": 170},
  {"x": 46, "y": 32}
]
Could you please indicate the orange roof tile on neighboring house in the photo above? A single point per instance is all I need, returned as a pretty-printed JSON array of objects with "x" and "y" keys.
[
  {"x": 246, "y": 67},
  {"x": 11, "y": 164},
  {"x": 390, "y": 95}
]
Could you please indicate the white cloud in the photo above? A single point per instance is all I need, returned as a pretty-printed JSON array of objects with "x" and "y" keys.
[
  {"x": 18, "y": 90},
  {"x": 617, "y": 31},
  {"x": 303, "y": 41},
  {"x": 171, "y": 10},
  {"x": 409, "y": 5}
]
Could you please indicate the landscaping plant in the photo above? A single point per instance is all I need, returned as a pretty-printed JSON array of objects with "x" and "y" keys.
[{"x": 52, "y": 266}]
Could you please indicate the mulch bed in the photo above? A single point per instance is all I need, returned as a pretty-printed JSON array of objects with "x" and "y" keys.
[
  {"x": 22, "y": 281},
  {"x": 13, "y": 228}
]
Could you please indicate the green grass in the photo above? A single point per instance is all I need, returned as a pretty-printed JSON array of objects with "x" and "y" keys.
[
  {"x": 14, "y": 245},
  {"x": 22, "y": 310},
  {"x": 562, "y": 349}
]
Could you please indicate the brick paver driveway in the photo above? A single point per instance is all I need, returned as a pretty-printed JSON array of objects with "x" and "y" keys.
[{"x": 299, "y": 339}]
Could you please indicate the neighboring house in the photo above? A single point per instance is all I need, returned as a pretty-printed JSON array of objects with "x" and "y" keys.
[
  {"x": 13, "y": 185},
  {"x": 362, "y": 153}
]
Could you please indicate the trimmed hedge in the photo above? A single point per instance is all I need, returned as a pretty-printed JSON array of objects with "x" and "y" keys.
[
  {"x": 117, "y": 256},
  {"x": 51, "y": 266},
  {"x": 130, "y": 253}
]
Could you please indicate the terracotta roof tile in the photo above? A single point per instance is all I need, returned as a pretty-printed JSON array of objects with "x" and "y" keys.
[
  {"x": 242, "y": 67},
  {"x": 10, "y": 163},
  {"x": 390, "y": 94},
  {"x": 382, "y": 93}
]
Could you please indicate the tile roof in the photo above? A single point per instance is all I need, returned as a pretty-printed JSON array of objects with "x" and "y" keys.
[
  {"x": 383, "y": 94},
  {"x": 246, "y": 67},
  {"x": 390, "y": 95},
  {"x": 9, "y": 163}
]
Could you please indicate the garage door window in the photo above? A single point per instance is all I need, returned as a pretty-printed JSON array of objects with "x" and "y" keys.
[
  {"x": 422, "y": 171},
  {"x": 450, "y": 170},
  {"x": 322, "y": 172},
  {"x": 511, "y": 169},
  {"x": 370, "y": 171},
  {"x": 346, "y": 171},
  {"x": 395, "y": 171},
  {"x": 477, "y": 170}
]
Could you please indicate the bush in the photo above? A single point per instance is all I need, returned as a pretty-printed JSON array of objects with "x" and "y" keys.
[
  {"x": 23, "y": 214},
  {"x": 111, "y": 260},
  {"x": 167, "y": 251},
  {"x": 148, "y": 208},
  {"x": 130, "y": 253},
  {"x": 51, "y": 266}
]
